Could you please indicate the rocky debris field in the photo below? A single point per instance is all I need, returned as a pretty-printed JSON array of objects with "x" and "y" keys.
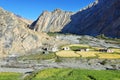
[
  {"x": 31, "y": 65},
  {"x": 88, "y": 40}
]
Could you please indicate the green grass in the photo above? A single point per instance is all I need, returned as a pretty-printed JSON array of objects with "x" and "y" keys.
[
  {"x": 38, "y": 56},
  {"x": 9, "y": 76},
  {"x": 76, "y": 74},
  {"x": 53, "y": 34}
]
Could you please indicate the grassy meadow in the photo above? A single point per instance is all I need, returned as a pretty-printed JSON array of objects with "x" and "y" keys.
[
  {"x": 74, "y": 74},
  {"x": 9, "y": 76},
  {"x": 38, "y": 56}
]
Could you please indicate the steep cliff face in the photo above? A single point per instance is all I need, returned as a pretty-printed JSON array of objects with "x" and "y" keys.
[
  {"x": 51, "y": 21},
  {"x": 15, "y": 37},
  {"x": 102, "y": 17}
]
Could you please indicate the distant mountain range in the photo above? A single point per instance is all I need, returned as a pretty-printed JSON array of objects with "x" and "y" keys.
[{"x": 100, "y": 17}]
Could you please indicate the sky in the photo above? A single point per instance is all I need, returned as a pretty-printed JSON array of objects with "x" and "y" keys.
[{"x": 31, "y": 9}]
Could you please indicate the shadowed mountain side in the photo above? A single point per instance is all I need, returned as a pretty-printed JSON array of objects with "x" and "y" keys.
[{"x": 101, "y": 17}]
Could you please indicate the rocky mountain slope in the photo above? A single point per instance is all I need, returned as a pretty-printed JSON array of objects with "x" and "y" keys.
[
  {"x": 103, "y": 17},
  {"x": 24, "y": 19},
  {"x": 51, "y": 21},
  {"x": 100, "y": 17},
  {"x": 15, "y": 36}
]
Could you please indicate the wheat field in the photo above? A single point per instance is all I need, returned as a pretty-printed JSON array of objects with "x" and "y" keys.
[
  {"x": 116, "y": 50},
  {"x": 108, "y": 56},
  {"x": 93, "y": 52},
  {"x": 87, "y": 54},
  {"x": 67, "y": 54}
]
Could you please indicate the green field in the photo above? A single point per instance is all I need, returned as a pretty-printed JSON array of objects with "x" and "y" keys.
[
  {"x": 10, "y": 76},
  {"x": 74, "y": 74},
  {"x": 38, "y": 56}
]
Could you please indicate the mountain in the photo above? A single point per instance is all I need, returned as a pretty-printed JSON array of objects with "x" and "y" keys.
[
  {"x": 24, "y": 19},
  {"x": 15, "y": 36},
  {"x": 102, "y": 17},
  {"x": 51, "y": 21}
]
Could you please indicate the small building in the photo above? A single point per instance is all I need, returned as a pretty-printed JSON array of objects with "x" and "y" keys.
[
  {"x": 54, "y": 49},
  {"x": 86, "y": 49},
  {"x": 110, "y": 51},
  {"x": 65, "y": 48}
]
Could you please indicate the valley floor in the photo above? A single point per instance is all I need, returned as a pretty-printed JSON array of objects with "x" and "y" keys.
[{"x": 67, "y": 64}]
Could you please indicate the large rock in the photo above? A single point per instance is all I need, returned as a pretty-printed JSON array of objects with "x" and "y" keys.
[
  {"x": 51, "y": 21},
  {"x": 15, "y": 36},
  {"x": 101, "y": 17}
]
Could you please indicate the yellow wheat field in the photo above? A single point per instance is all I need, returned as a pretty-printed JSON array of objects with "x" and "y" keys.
[
  {"x": 116, "y": 50},
  {"x": 109, "y": 56},
  {"x": 67, "y": 54},
  {"x": 87, "y": 54}
]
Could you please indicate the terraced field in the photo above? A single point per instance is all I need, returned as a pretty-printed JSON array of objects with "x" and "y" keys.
[
  {"x": 109, "y": 56},
  {"x": 67, "y": 54},
  {"x": 93, "y": 52},
  {"x": 87, "y": 54},
  {"x": 75, "y": 74},
  {"x": 10, "y": 76}
]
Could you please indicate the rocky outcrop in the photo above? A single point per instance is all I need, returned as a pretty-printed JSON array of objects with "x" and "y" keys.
[
  {"x": 24, "y": 19},
  {"x": 102, "y": 17},
  {"x": 51, "y": 21},
  {"x": 15, "y": 36}
]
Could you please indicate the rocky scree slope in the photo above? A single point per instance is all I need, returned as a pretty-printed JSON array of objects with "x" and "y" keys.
[{"x": 15, "y": 36}]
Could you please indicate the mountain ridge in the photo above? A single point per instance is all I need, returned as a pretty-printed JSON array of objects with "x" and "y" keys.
[
  {"x": 100, "y": 17},
  {"x": 51, "y": 21}
]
